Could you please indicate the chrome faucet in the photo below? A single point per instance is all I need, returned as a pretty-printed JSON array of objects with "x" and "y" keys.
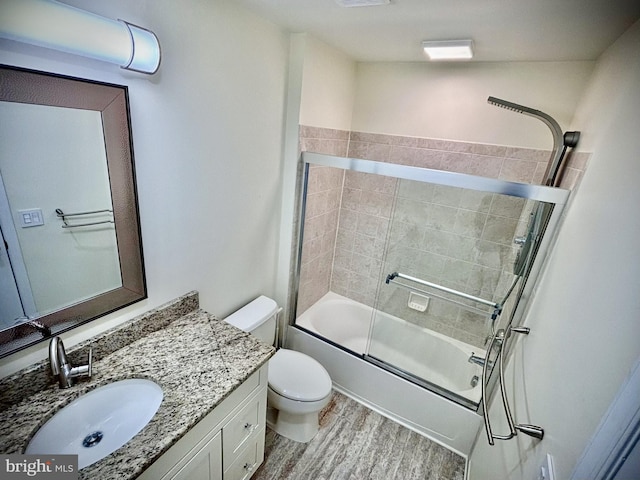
[
  {"x": 478, "y": 360},
  {"x": 60, "y": 366}
]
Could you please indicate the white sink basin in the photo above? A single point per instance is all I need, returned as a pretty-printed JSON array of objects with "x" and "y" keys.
[{"x": 99, "y": 422}]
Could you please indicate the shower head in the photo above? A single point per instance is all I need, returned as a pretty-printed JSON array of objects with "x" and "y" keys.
[
  {"x": 498, "y": 102},
  {"x": 556, "y": 131},
  {"x": 569, "y": 139}
]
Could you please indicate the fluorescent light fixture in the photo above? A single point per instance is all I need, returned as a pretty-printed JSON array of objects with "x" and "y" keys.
[
  {"x": 448, "y": 49},
  {"x": 61, "y": 27}
]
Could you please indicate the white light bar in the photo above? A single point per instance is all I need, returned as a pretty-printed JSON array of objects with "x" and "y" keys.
[
  {"x": 448, "y": 49},
  {"x": 54, "y": 25}
]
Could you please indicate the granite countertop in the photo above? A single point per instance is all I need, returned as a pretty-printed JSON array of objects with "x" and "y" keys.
[{"x": 198, "y": 361}]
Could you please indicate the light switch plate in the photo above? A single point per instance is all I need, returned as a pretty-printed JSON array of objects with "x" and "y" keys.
[{"x": 31, "y": 217}]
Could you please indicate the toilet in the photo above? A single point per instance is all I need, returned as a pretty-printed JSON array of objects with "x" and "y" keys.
[{"x": 299, "y": 386}]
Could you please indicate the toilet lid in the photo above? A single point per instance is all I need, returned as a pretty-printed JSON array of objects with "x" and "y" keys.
[{"x": 298, "y": 376}]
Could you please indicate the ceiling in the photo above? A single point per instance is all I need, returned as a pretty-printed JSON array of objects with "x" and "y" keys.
[{"x": 502, "y": 30}]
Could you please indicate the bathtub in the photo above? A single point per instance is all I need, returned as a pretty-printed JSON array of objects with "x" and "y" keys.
[
  {"x": 436, "y": 358},
  {"x": 442, "y": 362}
]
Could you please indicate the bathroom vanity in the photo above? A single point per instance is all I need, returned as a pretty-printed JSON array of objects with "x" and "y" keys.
[
  {"x": 211, "y": 422},
  {"x": 227, "y": 444}
]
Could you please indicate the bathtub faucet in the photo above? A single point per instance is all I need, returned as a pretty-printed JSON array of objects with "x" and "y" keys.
[{"x": 479, "y": 360}]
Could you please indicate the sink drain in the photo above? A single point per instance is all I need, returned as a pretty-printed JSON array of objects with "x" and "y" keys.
[{"x": 92, "y": 439}]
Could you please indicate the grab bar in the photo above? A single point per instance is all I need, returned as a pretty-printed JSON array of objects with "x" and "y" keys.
[
  {"x": 441, "y": 297},
  {"x": 64, "y": 216},
  {"x": 391, "y": 277}
]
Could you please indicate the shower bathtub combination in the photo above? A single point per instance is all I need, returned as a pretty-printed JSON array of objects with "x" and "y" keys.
[
  {"x": 346, "y": 322},
  {"x": 411, "y": 283}
]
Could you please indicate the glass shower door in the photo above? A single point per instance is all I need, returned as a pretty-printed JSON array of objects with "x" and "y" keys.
[
  {"x": 427, "y": 266},
  {"x": 449, "y": 279}
]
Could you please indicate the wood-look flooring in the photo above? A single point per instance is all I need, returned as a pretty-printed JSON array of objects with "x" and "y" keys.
[{"x": 357, "y": 443}]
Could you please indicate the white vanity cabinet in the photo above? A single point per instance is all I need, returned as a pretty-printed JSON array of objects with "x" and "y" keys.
[
  {"x": 227, "y": 444},
  {"x": 204, "y": 464}
]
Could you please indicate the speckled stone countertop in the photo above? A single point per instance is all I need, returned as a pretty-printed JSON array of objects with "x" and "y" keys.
[{"x": 197, "y": 359}]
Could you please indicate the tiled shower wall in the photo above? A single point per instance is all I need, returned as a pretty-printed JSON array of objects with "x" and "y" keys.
[
  {"x": 457, "y": 238},
  {"x": 348, "y": 218},
  {"x": 324, "y": 192}
]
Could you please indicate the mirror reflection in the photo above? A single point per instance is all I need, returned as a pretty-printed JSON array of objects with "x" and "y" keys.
[
  {"x": 44, "y": 152},
  {"x": 70, "y": 248}
]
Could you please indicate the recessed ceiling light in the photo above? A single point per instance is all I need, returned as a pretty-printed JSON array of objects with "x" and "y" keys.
[
  {"x": 362, "y": 3},
  {"x": 448, "y": 49}
]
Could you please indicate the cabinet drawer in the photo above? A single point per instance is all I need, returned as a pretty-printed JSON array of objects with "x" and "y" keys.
[
  {"x": 241, "y": 427},
  {"x": 248, "y": 459}
]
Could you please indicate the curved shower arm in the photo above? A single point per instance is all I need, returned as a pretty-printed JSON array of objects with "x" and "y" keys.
[{"x": 556, "y": 131}]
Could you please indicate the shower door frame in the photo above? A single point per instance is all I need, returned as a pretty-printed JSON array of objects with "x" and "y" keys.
[{"x": 552, "y": 195}]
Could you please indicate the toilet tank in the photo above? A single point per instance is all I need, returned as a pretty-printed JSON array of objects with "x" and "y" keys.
[{"x": 258, "y": 318}]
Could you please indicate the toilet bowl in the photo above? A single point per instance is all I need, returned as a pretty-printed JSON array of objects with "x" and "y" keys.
[{"x": 299, "y": 386}]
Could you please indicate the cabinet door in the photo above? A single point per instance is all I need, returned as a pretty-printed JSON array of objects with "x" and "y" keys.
[{"x": 204, "y": 465}]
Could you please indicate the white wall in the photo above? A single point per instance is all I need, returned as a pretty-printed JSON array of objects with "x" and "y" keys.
[
  {"x": 328, "y": 87},
  {"x": 207, "y": 134},
  {"x": 584, "y": 318},
  {"x": 449, "y": 101},
  {"x": 320, "y": 93}
]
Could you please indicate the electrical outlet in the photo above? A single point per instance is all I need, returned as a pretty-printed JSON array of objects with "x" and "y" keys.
[{"x": 546, "y": 469}]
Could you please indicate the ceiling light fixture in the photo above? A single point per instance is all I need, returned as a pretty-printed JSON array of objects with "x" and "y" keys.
[{"x": 448, "y": 49}]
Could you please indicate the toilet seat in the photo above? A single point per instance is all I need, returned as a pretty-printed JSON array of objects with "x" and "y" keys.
[{"x": 297, "y": 376}]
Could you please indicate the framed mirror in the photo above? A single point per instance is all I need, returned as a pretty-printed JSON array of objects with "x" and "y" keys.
[{"x": 70, "y": 246}]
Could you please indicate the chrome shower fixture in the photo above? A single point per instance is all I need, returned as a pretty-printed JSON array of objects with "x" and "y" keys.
[
  {"x": 569, "y": 139},
  {"x": 532, "y": 430}
]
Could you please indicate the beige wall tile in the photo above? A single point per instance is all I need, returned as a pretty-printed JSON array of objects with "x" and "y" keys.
[{"x": 454, "y": 237}]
